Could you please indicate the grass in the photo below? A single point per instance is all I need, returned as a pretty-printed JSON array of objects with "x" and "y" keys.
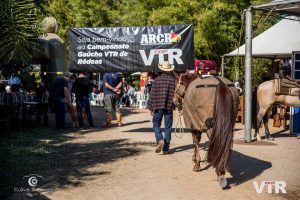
[
  {"x": 53, "y": 155},
  {"x": 30, "y": 151}
]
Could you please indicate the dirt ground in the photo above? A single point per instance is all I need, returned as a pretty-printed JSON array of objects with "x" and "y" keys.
[{"x": 120, "y": 163}]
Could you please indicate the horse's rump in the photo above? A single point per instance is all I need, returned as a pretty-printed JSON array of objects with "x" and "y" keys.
[{"x": 198, "y": 106}]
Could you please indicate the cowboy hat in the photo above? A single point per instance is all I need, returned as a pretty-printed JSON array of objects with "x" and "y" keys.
[{"x": 165, "y": 66}]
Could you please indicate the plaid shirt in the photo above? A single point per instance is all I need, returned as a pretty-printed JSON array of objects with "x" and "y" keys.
[{"x": 162, "y": 92}]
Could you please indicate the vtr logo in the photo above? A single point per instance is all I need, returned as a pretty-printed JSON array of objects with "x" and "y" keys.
[
  {"x": 171, "y": 55},
  {"x": 277, "y": 185}
]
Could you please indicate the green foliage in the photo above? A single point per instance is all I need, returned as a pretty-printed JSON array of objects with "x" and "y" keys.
[
  {"x": 19, "y": 31},
  {"x": 235, "y": 69},
  {"x": 218, "y": 24},
  {"x": 218, "y": 29},
  {"x": 260, "y": 69},
  {"x": 78, "y": 13}
]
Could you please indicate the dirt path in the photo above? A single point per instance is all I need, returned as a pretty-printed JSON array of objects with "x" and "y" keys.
[{"x": 128, "y": 168}]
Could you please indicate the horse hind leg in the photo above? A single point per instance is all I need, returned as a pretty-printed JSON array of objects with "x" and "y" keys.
[
  {"x": 259, "y": 118},
  {"x": 194, "y": 135},
  {"x": 266, "y": 125},
  {"x": 196, "y": 156}
]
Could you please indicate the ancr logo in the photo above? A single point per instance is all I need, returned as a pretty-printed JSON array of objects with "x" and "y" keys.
[{"x": 277, "y": 185}]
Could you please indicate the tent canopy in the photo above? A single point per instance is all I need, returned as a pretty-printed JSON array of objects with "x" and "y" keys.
[
  {"x": 279, "y": 41},
  {"x": 286, "y": 7}
]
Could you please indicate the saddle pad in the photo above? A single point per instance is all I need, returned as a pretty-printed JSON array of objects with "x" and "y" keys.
[
  {"x": 286, "y": 87},
  {"x": 198, "y": 103}
]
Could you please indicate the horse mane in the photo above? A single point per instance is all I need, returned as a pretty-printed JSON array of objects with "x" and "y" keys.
[
  {"x": 221, "y": 140},
  {"x": 187, "y": 78}
]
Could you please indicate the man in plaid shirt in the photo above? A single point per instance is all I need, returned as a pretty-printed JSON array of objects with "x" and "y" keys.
[{"x": 161, "y": 104}]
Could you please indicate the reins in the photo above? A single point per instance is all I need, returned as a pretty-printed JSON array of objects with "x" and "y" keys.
[
  {"x": 180, "y": 128},
  {"x": 179, "y": 121},
  {"x": 183, "y": 91}
]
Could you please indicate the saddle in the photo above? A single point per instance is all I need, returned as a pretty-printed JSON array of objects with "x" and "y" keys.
[{"x": 286, "y": 86}]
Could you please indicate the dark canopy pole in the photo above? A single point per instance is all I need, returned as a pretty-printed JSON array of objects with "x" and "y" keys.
[{"x": 248, "y": 74}]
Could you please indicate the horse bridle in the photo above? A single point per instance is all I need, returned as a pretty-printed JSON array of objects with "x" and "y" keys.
[{"x": 180, "y": 88}]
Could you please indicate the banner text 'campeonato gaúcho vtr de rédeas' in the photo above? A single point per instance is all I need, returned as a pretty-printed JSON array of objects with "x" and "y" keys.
[{"x": 131, "y": 49}]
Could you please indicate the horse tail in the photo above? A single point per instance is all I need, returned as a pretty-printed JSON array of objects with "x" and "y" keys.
[
  {"x": 221, "y": 140},
  {"x": 255, "y": 109}
]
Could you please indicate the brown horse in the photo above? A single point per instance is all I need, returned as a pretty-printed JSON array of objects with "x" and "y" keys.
[
  {"x": 209, "y": 105},
  {"x": 266, "y": 97}
]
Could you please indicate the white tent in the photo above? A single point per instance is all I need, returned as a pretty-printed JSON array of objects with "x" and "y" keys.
[{"x": 277, "y": 42}]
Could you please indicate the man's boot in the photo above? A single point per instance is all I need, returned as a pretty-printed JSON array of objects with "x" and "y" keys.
[
  {"x": 119, "y": 118},
  {"x": 108, "y": 119}
]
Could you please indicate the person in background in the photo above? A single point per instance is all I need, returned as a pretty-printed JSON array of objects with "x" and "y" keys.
[
  {"x": 60, "y": 95},
  {"x": 82, "y": 88},
  {"x": 112, "y": 97},
  {"x": 14, "y": 83},
  {"x": 124, "y": 98},
  {"x": 42, "y": 96},
  {"x": 7, "y": 89},
  {"x": 148, "y": 86},
  {"x": 130, "y": 93},
  {"x": 124, "y": 85},
  {"x": 130, "y": 90},
  {"x": 238, "y": 85},
  {"x": 161, "y": 105},
  {"x": 72, "y": 80},
  {"x": 285, "y": 69},
  {"x": 96, "y": 89},
  {"x": 2, "y": 87},
  {"x": 143, "y": 78}
]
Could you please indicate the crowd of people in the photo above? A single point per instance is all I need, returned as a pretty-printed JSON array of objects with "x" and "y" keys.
[
  {"x": 80, "y": 90},
  {"x": 73, "y": 93},
  {"x": 157, "y": 94}
]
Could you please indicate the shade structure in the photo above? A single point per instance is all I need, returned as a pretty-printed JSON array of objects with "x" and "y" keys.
[
  {"x": 136, "y": 74},
  {"x": 285, "y": 7},
  {"x": 279, "y": 41}
]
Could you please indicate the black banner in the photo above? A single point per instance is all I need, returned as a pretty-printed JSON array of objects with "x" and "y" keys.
[{"x": 131, "y": 49}]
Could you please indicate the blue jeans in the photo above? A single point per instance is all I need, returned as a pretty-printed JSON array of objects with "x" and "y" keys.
[
  {"x": 83, "y": 102},
  {"x": 60, "y": 110},
  {"x": 157, "y": 118}
]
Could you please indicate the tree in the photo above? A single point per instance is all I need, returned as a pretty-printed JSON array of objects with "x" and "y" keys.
[
  {"x": 19, "y": 32},
  {"x": 78, "y": 13},
  {"x": 217, "y": 24}
]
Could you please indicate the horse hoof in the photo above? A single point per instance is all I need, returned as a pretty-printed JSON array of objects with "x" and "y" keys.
[
  {"x": 270, "y": 139},
  {"x": 196, "y": 168},
  {"x": 222, "y": 181},
  {"x": 258, "y": 138}
]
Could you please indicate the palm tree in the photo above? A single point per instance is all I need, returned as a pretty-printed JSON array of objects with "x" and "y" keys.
[{"x": 18, "y": 32}]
